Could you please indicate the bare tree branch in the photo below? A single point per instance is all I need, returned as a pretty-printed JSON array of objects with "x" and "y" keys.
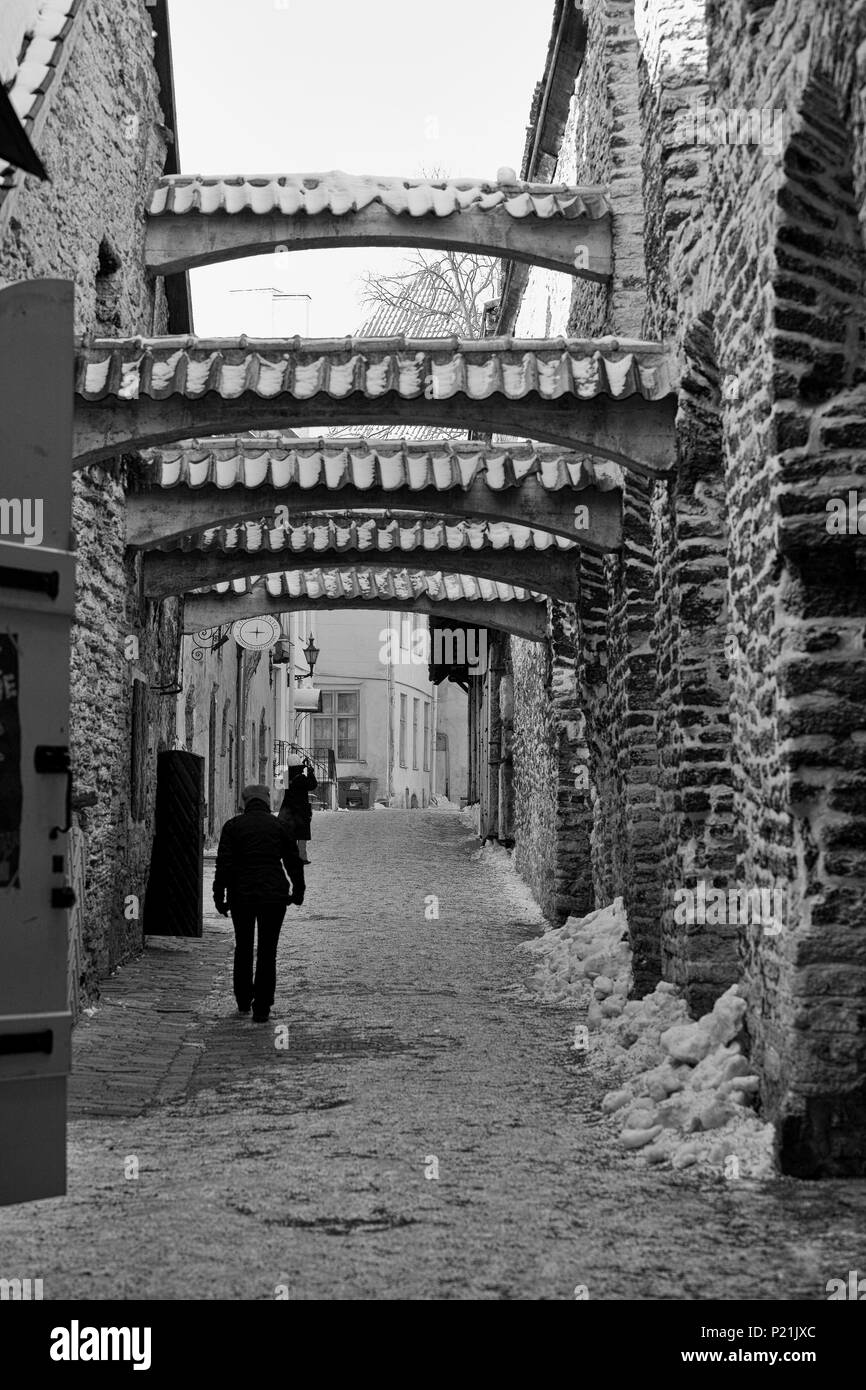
[{"x": 432, "y": 296}]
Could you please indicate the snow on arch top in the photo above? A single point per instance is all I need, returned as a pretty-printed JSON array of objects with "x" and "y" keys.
[{"x": 340, "y": 194}]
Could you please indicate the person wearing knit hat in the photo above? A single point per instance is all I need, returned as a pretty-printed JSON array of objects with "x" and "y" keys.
[{"x": 255, "y": 855}]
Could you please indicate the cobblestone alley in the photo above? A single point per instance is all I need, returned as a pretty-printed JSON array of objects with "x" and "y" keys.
[{"x": 265, "y": 1171}]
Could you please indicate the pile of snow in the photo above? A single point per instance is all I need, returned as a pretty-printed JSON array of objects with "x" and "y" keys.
[
  {"x": 441, "y": 803},
  {"x": 685, "y": 1089},
  {"x": 471, "y": 817},
  {"x": 584, "y": 950}
]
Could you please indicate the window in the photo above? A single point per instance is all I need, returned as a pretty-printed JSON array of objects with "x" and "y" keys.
[
  {"x": 416, "y": 706},
  {"x": 426, "y": 735},
  {"x": 403, "y": 708},
  {"x": 338, "y": 726}
]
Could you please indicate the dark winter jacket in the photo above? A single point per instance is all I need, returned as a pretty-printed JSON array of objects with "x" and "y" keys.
[
  {"x": 296, "y": 813},
  {"x": 253, "y": 849}
]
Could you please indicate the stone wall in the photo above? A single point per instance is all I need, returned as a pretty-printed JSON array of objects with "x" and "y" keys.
[
  {"x": 103, "y": 144},
  {"x": 719, "y": 661},
  {"x": 790, "y": 335},
  {"x": 606, "y": 831},
  {"x": 535, "y": 771}
]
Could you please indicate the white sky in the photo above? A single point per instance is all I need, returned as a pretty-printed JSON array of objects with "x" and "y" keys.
[{"x": 384, "y": 87}]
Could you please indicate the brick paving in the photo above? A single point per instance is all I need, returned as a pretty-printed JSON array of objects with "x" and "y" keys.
[{"x": 264, "y": 1168}]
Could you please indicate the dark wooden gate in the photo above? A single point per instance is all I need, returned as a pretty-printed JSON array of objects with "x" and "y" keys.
[{"x": 173, "y": 904}]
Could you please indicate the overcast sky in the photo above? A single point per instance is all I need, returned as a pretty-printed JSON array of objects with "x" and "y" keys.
[{"x": 304, "y": 86}]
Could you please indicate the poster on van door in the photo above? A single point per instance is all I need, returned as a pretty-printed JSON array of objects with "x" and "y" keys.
[{"x": 10, "y": 764}]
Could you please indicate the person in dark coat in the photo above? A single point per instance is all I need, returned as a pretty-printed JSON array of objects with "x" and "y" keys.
[
  {"x": 254, "y": 850},
  {"x": 296, "y": 813}
]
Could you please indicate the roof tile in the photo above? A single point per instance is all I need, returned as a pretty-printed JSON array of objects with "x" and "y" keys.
[
  {"x": 442, "y": 464},
  {"x": 377, "y": 584},
  {"x": 330, "y": 535},
  {"x": 438, "y": 367},
  {"x": 34, "y": 72},
  {"x": 343, "y": 194}
]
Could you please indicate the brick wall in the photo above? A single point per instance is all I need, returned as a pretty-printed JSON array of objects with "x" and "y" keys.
[
  {"x": 690, "y": 540},
  {"x": 603, "y": 724},
  {"x": 103, "y": 144},
  {"x": 726, "y": 642}
]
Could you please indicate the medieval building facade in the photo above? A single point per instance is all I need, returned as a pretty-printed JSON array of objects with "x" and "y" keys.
[{"x": 102, "y": 118}]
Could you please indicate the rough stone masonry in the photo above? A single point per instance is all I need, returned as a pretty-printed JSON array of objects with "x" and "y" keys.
[
  {"x": 719, "y": 662},
  {"x": 104, "y": 144}
]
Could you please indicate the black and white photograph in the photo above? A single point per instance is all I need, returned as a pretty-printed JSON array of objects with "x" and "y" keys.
[{"x": 432, "y": 672}]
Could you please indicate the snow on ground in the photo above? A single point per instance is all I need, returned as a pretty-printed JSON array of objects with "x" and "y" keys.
[
  {"x": 515, "y": 893},
  {"x": 684, "y": 1090}
]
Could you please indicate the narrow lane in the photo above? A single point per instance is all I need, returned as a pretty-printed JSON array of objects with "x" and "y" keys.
[{"x": 299, "y": 1158}]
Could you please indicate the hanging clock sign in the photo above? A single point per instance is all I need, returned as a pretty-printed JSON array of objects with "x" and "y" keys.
[{"x": 256, "y": 634}]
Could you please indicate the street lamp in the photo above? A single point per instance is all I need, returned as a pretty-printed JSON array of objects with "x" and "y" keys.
[{"x": 311, "y": 652}]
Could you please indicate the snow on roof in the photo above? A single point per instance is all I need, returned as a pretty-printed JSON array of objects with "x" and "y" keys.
[
  {"x": 133, "y": 368},
  {"x": 17, "y": 18},
  {"x": 340, "y": 194},
  {"x": 383, "y": 534},
  {"x": 378, "y": 583},
  {"x": 391, "y": 463},
  {"x": 32, "y": 35}
]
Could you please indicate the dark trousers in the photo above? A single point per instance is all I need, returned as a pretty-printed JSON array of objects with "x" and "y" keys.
[{"x": 269, "y": 918}]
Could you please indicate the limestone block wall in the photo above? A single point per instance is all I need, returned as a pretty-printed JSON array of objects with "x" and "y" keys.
[
  {"x": 605, "y": 833},
  {"x": 536, "y": 771},
  {"x": 701, "y": 839},
  {"x": 793, "y": 339},
  {"x": 104, "y": 144},
  {"x": 720, "y": 659},
  {"x": 754, "y": 239}
]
